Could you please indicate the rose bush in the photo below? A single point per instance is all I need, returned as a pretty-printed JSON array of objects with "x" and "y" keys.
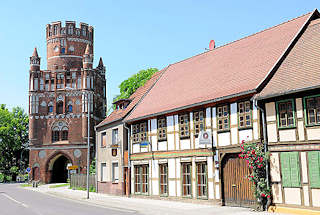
[{"x": 256, "y": 160}]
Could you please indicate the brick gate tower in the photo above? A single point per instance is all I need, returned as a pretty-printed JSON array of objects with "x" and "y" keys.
[{"x": 59, "y": 98}]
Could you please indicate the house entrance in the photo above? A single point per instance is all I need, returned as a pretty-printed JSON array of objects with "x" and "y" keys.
[{"x": 237, "y": 189}]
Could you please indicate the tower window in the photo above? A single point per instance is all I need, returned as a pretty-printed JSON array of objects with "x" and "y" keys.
[
  {"x": 55, "y": 30},
  {"x": 64, "y": 135},
  {"x": 70, "y": 108},
  {"x": 60, "y": 107},
  {"x": 55, "y": 136},
  {"x": 84, "y": 32},
  {"x": 50, "y": 109},
  {"x": 70, "y": 29}
]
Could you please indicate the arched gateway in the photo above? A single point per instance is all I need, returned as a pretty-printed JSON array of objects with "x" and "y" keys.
[{"x": 57, "y": 167}]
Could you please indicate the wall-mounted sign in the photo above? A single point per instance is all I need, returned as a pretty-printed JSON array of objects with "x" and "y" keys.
[
  {"x": 72, "y": 167},
  {"x": 144, "y": 144},
  {"x": 205, "y": 137}
]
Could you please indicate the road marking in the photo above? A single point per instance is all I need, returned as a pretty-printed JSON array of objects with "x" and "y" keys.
[{"x": 12, "y": 199}]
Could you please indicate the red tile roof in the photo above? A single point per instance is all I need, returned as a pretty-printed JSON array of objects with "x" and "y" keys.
[
  {"x": 235, "y": 68},
  {"x": 135, "y": 98},
  {"x": 301, "y": 68}
]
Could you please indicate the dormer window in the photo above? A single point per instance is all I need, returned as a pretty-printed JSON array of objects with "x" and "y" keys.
[
  {"x": 70, "y": 29},
  {"x": 122, "y": 104},
  {"x": 55, "y": 30}
]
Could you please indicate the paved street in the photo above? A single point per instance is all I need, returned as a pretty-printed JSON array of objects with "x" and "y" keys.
[
  {"x": 15, "y": 200},
  {"x": 58, "y": 200}
]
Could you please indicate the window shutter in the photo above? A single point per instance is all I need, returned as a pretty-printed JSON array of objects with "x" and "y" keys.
[
  {"x": 285, "y": 169},
  {"x": 314, "y": 169},
  {"x": 295, "y": 169}
]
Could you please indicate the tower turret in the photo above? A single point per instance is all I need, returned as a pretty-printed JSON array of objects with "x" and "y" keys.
[
  {"x": 35, "y": 61},
  {"x": 66, "y": 45},
  {"x": 87, "y": 58}
]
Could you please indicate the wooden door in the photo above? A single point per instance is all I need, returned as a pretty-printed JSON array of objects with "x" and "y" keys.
[{"x": 237, "y": 190}]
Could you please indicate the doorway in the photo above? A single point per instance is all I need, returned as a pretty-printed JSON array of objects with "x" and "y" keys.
[{"x": 59, "y": 172}]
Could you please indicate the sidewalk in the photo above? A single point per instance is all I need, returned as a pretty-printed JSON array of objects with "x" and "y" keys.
[{"x": 142, "y": 205}]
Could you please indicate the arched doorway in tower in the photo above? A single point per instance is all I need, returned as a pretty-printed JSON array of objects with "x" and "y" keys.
[{"x": 58, "y": 169}]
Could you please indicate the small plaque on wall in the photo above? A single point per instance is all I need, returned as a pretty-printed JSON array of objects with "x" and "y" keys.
[{"x": 114, "y": 152}]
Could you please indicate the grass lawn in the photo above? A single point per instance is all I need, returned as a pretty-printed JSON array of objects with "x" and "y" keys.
[
  {"x": 25, "y": 185},
  {"x": 59, "y": 185}
]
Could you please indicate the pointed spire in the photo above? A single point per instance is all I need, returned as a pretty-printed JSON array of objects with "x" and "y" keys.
[
  {"x": 87, "y": 52},
  {"x": 100, "y": 63},
  {"x": 35, "y": 52}
]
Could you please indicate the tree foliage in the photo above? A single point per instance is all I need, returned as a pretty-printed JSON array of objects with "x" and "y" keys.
[
  {"x": 129, "y": 86},
  {"x": 13, "y": 139}
]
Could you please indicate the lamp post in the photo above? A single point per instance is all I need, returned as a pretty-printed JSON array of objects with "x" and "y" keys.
[
  {"x": 88, "y": 139},
  {"x": 88, "y": 155}
]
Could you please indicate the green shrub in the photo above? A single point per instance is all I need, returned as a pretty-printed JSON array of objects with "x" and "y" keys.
[
  {"x": 8, "y": 178},
  {"x": 2, "y": 176}
]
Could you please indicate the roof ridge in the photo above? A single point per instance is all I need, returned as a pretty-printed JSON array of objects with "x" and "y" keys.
[{"x": 290, "y": 20}]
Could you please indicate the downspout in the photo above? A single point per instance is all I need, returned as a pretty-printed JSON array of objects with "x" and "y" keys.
[
  {"x": 129, "y": 163},
  {"x": 265, "y": 143},
  {"x": 96, "y": 163}
]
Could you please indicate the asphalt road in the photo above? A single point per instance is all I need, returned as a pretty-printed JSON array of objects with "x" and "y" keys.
[{"x": 15, "y": 200}]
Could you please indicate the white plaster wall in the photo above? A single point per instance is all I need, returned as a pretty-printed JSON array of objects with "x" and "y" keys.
[
  {"x": 299, "y": 107},
  {"x": 234, "y": 135},
  {"x": 162, "y": 146},
  {"x": 217, "y": 191},
  {"x": 270, "y": 111},
  {"x": 287, "y": 135},
  {"x": 208, "y": 117},
  {"x": 315, "y": 197},
  {"x": 191, "y": 131},
  {"x": 214, "y": 127},
  {"x": 304, "y": 169},
  {"x": 136, "y": 148},
  {"x": 132, "y": 178},
  {"x": 210, "y": 178},
  {"x": 170, "y": 123},
  {"x": 216, "y": 167},
  {"x": 193, "y": 177},
  {"x": 255, "y": 131},
  {"x": 292, "y": 196},
  {"x": 146, "y": 149},
  {"x": 178, "y": 177},
  {"x": 277, "y": 193},
  {"x": 272, "y": 133},
  {"x": 275, "y": 167},
  {"x": 306, "y": 195},
  {"x": 254, "y": 112},
  {"x": 154, "y": 142},
  {"x": 171, "y": 175},
  {"x": 155, "y": 177},
  {"x": 185, "y": 144},
  {"x": 176, "y": 128},
  {"x": 224, "y": 139},
  {"x": 153, "y": 126},
  {"x": 313, "y": 133},
  {"x": 245, "y": 135},
  {"x": 170, "y": 139},
  {"x": 301, "y": 130}
]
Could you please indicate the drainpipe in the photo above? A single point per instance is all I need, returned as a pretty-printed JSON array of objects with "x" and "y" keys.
[
  {"x": 129, "y": 163},
  {"x": 96, "y": 164},
  {"x": 265, "y": 142}
]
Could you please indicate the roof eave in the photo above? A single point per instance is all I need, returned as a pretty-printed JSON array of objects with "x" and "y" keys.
[
  {"x": 259, "y": 98},
  {"x": 193, "y": 105}
]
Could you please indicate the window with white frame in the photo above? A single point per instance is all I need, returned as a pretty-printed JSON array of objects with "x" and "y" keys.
[
  {"x": 312, "y": 110},
  {"x": 103, "y": 172},
  {"x": 184, "y": 125},
  {"x": 141, "y": 178},
  {"x": 202, "y": 189},
  {"x": 114, "y": 136},
  {"x": 244, "y": 114},
  {"x": 139, "y": 132},
  {"x": 285, "y": 113},
  {"x": 163, "y": 173},
  {"x": 162, "y": 129},
  {"x": 115, "y": 172},
  {"x": 103, "y": 139},
  {"x": 186, "y": 179},
  {"x": 198, "y": 119},
  {"x": 223, "y": 117}
]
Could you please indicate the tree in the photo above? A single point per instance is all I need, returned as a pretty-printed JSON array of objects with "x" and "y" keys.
[
  {"x": 13, "y": 139},
  {"x": 129, "y": 86}
]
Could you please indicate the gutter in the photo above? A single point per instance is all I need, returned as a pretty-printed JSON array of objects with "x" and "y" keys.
[
  {"x": 193, "y": 105},
  {"x": 129, "y": 163}
]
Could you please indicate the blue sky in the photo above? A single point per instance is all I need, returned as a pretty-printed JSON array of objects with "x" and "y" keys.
[{"x": 130, "y": 35}]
